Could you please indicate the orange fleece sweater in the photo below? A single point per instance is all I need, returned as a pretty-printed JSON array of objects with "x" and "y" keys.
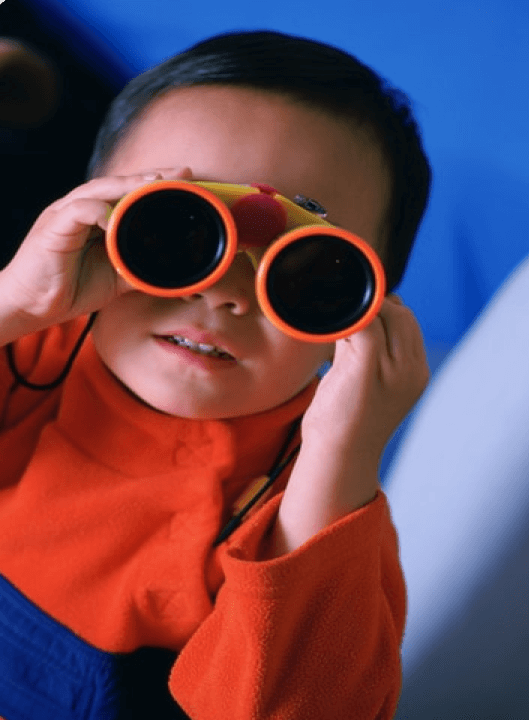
[{"x": 108, "y": 512}]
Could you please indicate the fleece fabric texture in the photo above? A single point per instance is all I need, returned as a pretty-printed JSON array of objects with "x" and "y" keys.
[{"x": 109, "y": 510}]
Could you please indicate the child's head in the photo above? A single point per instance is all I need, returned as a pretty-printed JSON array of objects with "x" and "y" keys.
[
  {"x": 254, "y": 107},
  {"x": 311, "y": 73}
]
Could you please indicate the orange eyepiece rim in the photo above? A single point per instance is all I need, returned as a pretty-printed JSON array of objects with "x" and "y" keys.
[
  {"x": 307, "y": 231},
  {"x": 158, "y": 185}
]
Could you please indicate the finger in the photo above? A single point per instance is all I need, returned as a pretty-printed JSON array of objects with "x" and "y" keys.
[
  {"x": 90, "y": 204},
  {"x": 112, "y": 188},
  {"x": 392, "y": 297},
  {"x": 169, "y": 173},
  {"x": 67, "y": 228},
  {"x": 365, "y": 344},
  {"x": 385, "y": 327},
  {"x": 182, "y": 172},
  {"x": 408, "y": 329},
  {"x": 380, "y": 335},
  {"x": 401, "y": 329}
]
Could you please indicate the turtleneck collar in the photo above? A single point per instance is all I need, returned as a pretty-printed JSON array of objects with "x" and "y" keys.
[{"x": 106, "y": 421}]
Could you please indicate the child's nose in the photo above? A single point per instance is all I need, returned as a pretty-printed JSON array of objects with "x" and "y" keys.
[{"x": 234, "y": 291}]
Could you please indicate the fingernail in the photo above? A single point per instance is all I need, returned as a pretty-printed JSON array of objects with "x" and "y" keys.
[{"x": 181, "y": 174}]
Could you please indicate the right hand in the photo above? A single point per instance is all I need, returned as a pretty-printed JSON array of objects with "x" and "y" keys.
[{"x": 61, "y": 269}]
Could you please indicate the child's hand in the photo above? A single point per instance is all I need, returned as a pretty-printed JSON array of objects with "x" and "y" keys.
[
  {"x": 377, "y": 376},
  {"x": 61, "y": 270}
]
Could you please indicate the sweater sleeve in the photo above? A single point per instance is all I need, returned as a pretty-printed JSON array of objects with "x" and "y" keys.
[{"x": 313, "y": 634}]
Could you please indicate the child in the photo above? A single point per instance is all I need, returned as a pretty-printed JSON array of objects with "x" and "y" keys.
[{"x": 115, "y": 599}]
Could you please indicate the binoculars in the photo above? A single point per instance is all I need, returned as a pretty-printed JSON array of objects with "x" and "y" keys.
[{"x": 314, "y": 281}]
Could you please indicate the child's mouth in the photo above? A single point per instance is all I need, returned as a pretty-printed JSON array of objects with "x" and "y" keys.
[{"x": 198, "y": 348}]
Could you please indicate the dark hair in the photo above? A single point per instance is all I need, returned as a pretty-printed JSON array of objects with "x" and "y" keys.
[{"x": 315, "y": 74}]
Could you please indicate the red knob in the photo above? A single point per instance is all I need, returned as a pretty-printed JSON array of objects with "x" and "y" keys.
[{"x": 259, "y": 217}]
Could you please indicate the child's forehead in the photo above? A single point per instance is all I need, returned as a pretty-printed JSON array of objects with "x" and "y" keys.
[{"x": 240, "y": 116}]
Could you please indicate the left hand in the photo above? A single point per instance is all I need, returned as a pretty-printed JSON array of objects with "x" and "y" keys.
[{"x": 377, "y": 376}]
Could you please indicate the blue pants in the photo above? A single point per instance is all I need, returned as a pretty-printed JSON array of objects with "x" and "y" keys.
[{"x": 48, "y": 673}]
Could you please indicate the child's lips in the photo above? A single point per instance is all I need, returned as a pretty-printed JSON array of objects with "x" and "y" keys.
[
  {"x": 210, "y": 361},
  {"x": 201, "y": 342}
]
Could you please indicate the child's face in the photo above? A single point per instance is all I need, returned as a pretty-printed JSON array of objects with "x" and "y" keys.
[{"x": 235, "y": 135}]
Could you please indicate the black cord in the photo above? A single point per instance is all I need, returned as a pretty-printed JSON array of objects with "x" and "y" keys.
[
  {"x": 275, "y": 471},
  {"x": 58, "y": 380}
]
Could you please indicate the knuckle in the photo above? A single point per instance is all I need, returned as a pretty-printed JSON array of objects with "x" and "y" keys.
[{"x": 79, "y": 203}]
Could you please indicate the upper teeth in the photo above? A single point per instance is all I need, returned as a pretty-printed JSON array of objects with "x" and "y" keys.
[{"x": 203, "y": 348}]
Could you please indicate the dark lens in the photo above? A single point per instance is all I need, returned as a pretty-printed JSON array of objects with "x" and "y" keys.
[
  {"x": 320, "y": 284},
  {"x": 171, "y": 238}
]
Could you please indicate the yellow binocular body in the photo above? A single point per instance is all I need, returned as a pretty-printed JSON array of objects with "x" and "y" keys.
[{"x": 314, "y": 281}]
